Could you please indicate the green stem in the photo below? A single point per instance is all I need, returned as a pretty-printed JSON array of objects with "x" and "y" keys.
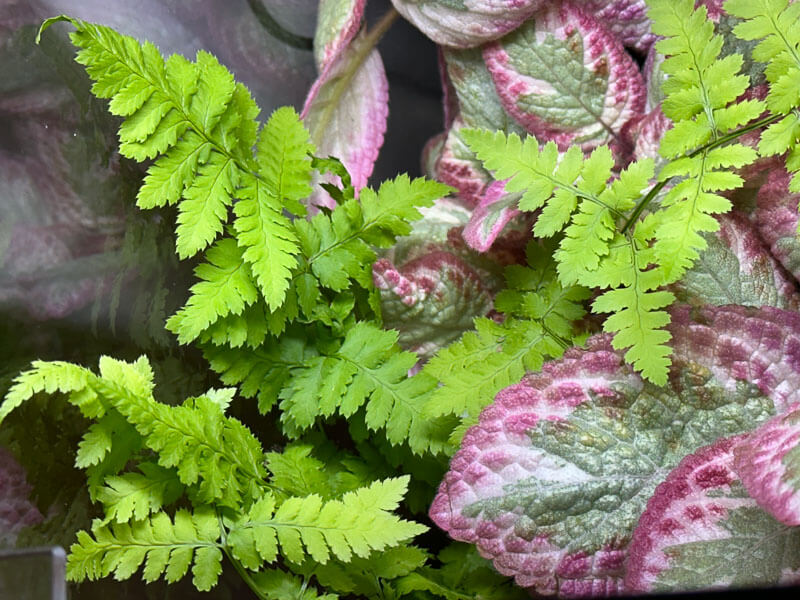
[
  {"x": 710, "y": 146},
  {"x": 276, "y": 30}
]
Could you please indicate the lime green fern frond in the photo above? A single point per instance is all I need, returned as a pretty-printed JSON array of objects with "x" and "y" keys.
[
  {"x": 166, "y": 547},
  {"x": 368, "y": 369},
  {"x": 358, "y": 523},
  {"x": 539, "y": 324},
  {"x": 221, "y": 461},
  {"x": 200, "y": 126},
  {"x": 774, "y": 24},
  {"x": 226, "y": 288},
  {"x": 579, "y": 201},
  {"x": 699, "y": 93},
  {"x": 134, "y": 496}
]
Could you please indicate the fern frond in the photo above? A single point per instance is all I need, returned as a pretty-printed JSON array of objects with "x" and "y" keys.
[
  {"x": 226, "y": 288},
  {"x": 774, "y": 23},
  {"x": 223, "y": 459},
  {"x": 134, "y": 496},
  {"x": 262, "y": 230},
  {"x": 338, "y": 247},
  {"x": 359, "y": 523},
  {"x": 52, "y": 377},
  {"x": 167, "y": 548},
  {"x": 699, "y": 92},
  {"x": 540, "y": 315},
  {"x": 368, "y": 368}
]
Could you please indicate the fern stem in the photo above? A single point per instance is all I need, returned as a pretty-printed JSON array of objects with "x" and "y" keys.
[
  {"x": 248, "y": 579},
  {"x": 342, "y": 84},
  {"x": 276, "y": 30},
  {"x": 710, "y": 146}
]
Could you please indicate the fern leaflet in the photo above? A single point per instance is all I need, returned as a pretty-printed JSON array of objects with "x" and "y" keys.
[
  {"x": 166, "y": 547},
  {"x": 358, "y": 523},
  {"x": 774, "y": 23}
]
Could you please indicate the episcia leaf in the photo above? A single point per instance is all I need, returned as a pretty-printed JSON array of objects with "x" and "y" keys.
[
  {"x": 768, "y": 461},
  {"x": 466, "y": 23},
  {"x": 736, "y": 268},
  {"x": 338, "y": 22},
  {"x": 776, "y": 218},
  {"x": 495, "y": 210},
  {"x": 551, "y": 482},
  {"x": 430, "y": 300},
  {"x": 567, "y": 79},
  {"x": 347, "y": 107},
  {"x": 702, "y": 530},
  {"x": 625, "y": 19}
]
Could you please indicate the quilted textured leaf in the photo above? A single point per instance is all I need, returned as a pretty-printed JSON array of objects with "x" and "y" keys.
[
  {"x": 776, "y": 219},
  {"x": 466, "y": 23},
  {"x": 552, "y": 480},
  {"x": 736, "y": 268},
  {"x": 702, "y": 530},
  {"x": 431, "y": 301},
  {"x": 625, "y": 19},
  {"x": 566, "y": 78},
  {"x": 768, "y": 461}
]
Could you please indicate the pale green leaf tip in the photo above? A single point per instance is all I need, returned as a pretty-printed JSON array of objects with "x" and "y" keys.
[{"x": 48, "y": 22}]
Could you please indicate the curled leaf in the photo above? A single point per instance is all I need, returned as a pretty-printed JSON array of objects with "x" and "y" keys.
[
  {"x": 776, "y": 219},
  {"x": 702, "y": 530},
  {"x": 567, "y": 79},
  {"x": 466, "y": 23},
  {"x": 768, "y": 461},
  {"x": 494, "y": 211}
]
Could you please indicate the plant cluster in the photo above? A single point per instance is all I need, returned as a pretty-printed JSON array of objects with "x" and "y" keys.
[{"x": 642, "y": 458}]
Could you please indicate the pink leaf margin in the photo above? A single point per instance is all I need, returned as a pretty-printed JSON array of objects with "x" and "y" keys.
[{"x": 759, "y": 461}]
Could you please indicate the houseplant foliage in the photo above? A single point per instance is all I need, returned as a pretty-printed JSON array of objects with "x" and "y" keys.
[{"x": 660, "y": 454}]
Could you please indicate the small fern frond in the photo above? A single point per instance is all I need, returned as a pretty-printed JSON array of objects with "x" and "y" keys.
[
  {"x": 338, "y": 248},
  {"x": 166, "y": 547},
  {"x": 774, "y": 24},
  {"x": 262, "y": 229},
  {"x": 134, "y": 496},
  {"x": 539, "y": 324},
  {"x": 357, "y": 524},
  {"x": 226, "y": 288},
  {"x": 699, "y": 92},
  {"x": 368, "y": 368},
  {"x": 53, "y": 377}
]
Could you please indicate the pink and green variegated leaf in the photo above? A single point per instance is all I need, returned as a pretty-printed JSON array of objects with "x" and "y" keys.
[
  {"x": 466, "y": 23},
  {"x": 768, "y": 462},
  {"x": 346, "y": 111},
  {"x": 479, "y": 105},
  {"x": 702, "y": 530},
  {"x": 551, "y": 482},
  {"x": 338, "y": 22},
  {"x": 456, "y": 165},
  {"x": 567, "y": 79},
  {"x": 776, "y": 219},
  {"x": 625, "y": 19},
  {"x": 736, "y": 268},
  {"x": 495, "y": 210},
  {"x": 431, "y": 300}
]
